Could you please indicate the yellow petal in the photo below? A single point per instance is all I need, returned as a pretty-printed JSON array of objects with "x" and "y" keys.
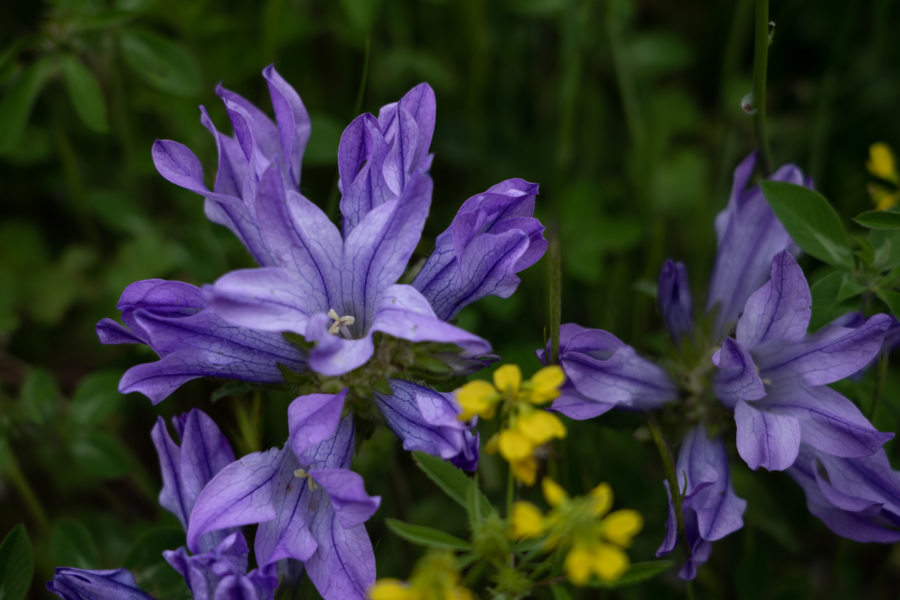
[
  {"x": 514, "y": 446},
  {"x": 619, "y": 527},
  {"x": 525, "y": 470},
  {"x": 508, "y": 379},
  {"x": 462, "y": 593},
  {"x": 476, "y": 398},
  {"x": 491, "y": 445},
  {"x": 602, "y": 495},
  {"x": 526, "y": 520},
  {"x": 545, "y": 384},
  {"x": 390, "y": 589},
  {"x": 540, "y": 427},
  {"x": 608, "y": 562},
  {"x": 881, "y": 162},
  {"x": 553, "y": 492},
  {"x": 578, "y": 565}
]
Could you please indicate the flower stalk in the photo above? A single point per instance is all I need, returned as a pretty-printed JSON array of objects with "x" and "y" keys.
[{"x": 760, "y": 63}]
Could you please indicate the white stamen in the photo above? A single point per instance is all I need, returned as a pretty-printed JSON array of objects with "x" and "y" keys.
[
  {"x": 302, "y": 474},
  {"x": 340, "y": 324}
]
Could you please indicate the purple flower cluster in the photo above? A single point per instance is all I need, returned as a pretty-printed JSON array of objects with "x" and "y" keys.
[
  {"x": 770, "y": 376},
  {"x": 337, "y": 289}
]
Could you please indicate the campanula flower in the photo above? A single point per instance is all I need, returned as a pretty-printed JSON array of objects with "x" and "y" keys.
[{"x": 79, "y": 584}]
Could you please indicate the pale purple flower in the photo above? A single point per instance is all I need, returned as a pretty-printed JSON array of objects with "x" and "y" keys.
[
  {"x": 81, "y": 584},
  {"x": 857, "y": 498},
  {"x": 774, "y": 375},
  {"x": 710, "y": 507},
  {"x": 749, "y": 235},
  {"x": 308, "y": 504}
]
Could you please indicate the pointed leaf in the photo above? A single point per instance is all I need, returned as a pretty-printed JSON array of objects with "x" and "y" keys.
[
  {"x": 73, "y": 546},
  {"x": 85, "y": 94},
  {"x": 17, "y": 100},
  {"x": 453, "y": 481},
  {"x": 811, "y": 222},
  {"x": 95, "y": 398},
  {"x": 878, "y": 219},
  {"x": 16, "y": 564},
  {"x": 426, "y": 536},
  {"x": 160, "y": 62}
]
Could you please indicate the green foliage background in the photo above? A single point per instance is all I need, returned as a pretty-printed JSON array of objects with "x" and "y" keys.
[{"x": 627, "y": 114}]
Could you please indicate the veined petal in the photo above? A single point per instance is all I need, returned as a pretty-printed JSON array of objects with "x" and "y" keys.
[
  {"x": 404, "y": 313},
  {"x": 343, "y": 566},
  {"x": 831, "y": 354},
  {"x": 424, "y": 419},
  {"x": 76, "y": 584},
  {"x": 604, "y": 369},
  {"x": 347, "y": 493},
  {"x": 675, "y": 298},
  {"x": 736, "y": 378},
  {"x": 766, "y": 439},
  {"x": 253, "y": 128},
  {"x": 239, "y": 494},
  {"x": 312, "y": 419},
  {"x": 332, "y": 354},
  {"x": 828, "y": 421},
  {"x": 292, "y": 119},
  {"x": 779, "y": 311}
]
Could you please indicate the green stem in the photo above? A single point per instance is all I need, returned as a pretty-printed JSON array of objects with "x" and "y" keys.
[
  {"x": 672, "y": 477},
  {"x": 760, "y": 64},
  {"x": 14, "y": 473}
]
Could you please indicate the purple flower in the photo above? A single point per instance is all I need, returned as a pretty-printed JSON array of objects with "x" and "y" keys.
[
  {"x": 710, "y": 507},
  {"x": 675, "y": 299},
  {"x": 774, "y": 375},
  {"x": 219, "y": 567},
  {"x": 308, "y": 504},
  {"x": 80, "y": 584},
  {"x": 603, "y": 372},
  {"x": 426, "y": 421},
  {"x": 191, "y": 340},
  {"x": 857, "y": 498},
  {"x": 749, "y": 236}
]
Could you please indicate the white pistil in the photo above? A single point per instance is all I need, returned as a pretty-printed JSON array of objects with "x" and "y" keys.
[{"x": 340, "y": 324}]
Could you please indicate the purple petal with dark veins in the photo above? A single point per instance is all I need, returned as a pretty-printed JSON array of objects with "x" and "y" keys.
[
  {"x": 736, "y": 377},
  {"x": 314, "y": 418},
  {"x": 81, "y": 584},
  {"x": 293, "y": 122},
  {"x": 347, "y": 494},
  {"x": 766, "y": 439}
]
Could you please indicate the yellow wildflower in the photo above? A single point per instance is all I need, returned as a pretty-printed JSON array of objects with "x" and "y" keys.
[
  {"x": 883, "y": 165},
  {"x": 435, "y": 577}
]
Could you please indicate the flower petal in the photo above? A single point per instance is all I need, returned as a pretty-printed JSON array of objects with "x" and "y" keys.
[
  {"x": 766, "y": 439},
  {"x": 347, "y": 493},
  {"x": 343, "y": 567},
  {"x": 675, "y": 298},
  {"x": 76, "y": 584},
  {"x": 312, "y": 419},
  {"x": 292, "y": 119},
  {"x": 332, "y": 354},
  {"x": 736, "y": 378}
]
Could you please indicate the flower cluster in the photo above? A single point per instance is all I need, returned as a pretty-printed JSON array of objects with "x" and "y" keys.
[
  {"x": 323, "y": 313},
  {"x": 592, "y": 538},
  {"x": 435, "y": 577},
  {"x": 883, "y": 165},
  {"x": 526, "y": 428},
  {"x": 750, "y": 365}
]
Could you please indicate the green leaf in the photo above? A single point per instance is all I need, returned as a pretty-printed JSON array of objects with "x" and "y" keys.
[
  {"x": 162, "y": 63},
  {"x": 72, "y": 545},
  {"x": 453, "y": 481},
  {"x": 891, "y": 298},
  {"x": 85, "y": 94},
  {"x": 426, "y": 536},
  {"x": 811, "y": 222},
  {"x": 100, "y": 454},
  {"x": 560, "y": 592},
  {"x": 18, "y": 99},
  {"x": 39, "y": 396},
  {"x": 16, "y": 564},
  {"x": 850, "y": 287},
  {"x": 96, "y": 397},
  {"x": 879, "y": 219},
  {"x": 151, "y": 571},
  {"x": 636, "y": 573}
]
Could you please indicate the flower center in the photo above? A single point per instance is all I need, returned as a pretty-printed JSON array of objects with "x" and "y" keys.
[
  {"x": 303, "y": 474},
  {"x": 341, "y": 325}
]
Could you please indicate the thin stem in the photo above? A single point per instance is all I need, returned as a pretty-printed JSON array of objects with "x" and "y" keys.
[
  {"x": 24, "y": 488},
  {"x": 760, "y": 64}
]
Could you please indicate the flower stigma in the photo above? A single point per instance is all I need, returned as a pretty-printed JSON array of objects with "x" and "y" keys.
[{"x": 341, "y": 324}]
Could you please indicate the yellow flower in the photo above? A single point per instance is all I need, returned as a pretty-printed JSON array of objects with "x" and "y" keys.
[
  {"x": 477, "y": 398},
  {"x": 508, "y": 379},
  {"x": 881, "y": 162},
  {"x": 546, "y": 383},
  {"x": 554, "y": 494},
  {"x": 525, "y": 470},
  {"x": 602, "y": 497},
  {"x": 622, "y": 525},
  {"x": 526, "y": 520},
  {"x": 435, "y": 577},
  {"x": 608, "y": 562},
  {"x": 391, "y": 589},
  {"x": 514, "y": 446},
  {"x": 540, "y": 427},
  {"x": 579, "y": 565}
]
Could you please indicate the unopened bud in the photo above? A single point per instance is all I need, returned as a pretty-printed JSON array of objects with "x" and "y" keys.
[{"x": 747, "y": 104}]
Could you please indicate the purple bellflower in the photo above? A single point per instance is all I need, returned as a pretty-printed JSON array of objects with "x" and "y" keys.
[
  {"x": 774, "y": 375},
  {"x": 308, "y": 504},
  {"x": 81, "y": 584},
  {"x": 710, "y": 507},
  {"x": 338, "y": 289}
]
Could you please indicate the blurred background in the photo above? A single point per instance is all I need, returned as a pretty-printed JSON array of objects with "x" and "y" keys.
[{"x": 626, "y": 112}]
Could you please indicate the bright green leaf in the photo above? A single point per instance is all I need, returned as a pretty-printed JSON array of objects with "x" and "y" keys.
[
  {"x": 95, "y": 398},
  {"x": 162, "y": 63},
  {"x": 72, "y": 545},
  {"x": 636, "y": 573},
  {"x": 879, "y": 219},
  {"x": 453, "y": 481},
  {"x": 426, "y": 536},
  {"x": 850, "y": 287},
  {"x": 891, "y": 298},
  {"x": 85, "y": 94},
  {"x": 16, "y": 564},
  {"x": 811, "y": 222},
  {"x": 18, "y": 99}
]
